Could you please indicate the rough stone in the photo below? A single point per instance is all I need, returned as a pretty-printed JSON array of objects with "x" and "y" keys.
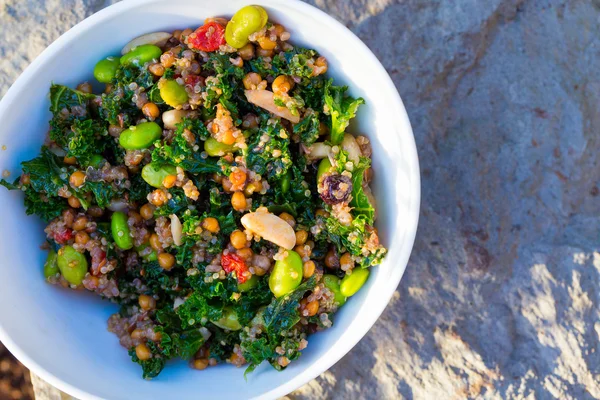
[{"x": 500, "y": 298}]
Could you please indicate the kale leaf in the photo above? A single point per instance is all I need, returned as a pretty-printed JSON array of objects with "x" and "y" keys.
[
  {"x": 153, "y": 366},
  {"x": 308, "y": 129},
  {"x": 341, "y": 108}
]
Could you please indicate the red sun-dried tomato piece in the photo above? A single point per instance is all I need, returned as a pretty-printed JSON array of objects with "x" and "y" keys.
[
  {"x": 193, "y": 80},
  {"x": 233, "y": 262},
  {"x": 63, "y": 236},
  {"x": 209, "y": 37}
]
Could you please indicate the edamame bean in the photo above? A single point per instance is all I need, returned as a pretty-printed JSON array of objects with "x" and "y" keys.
[
  {"x": 72, "y": 265},
  {"x": 245, "y": 22},
  {"x": 285, "y": 182},
  {"x": 324, "y": 166},
  {"x": 50, "y": 266},
  {"x": 214, "y": 148},
  {"x": 332, "y": 283},
  {"x": 97, "y": 161},
  {"x": 141, "y": 55},
  {"x": 229, "y": 320},
  {"x": 286, "y": 275},
  {"x": 155, "y": 173},
  {"x": 248, "y": 285},
  {"x": 172, "y": 93},
  {"x": 105, "y": 69},
  {"x": 152, "y": 256},
  {"x": 120, "y": 230},
  {"x": 140, "y": 136},
  {"x": 353, "y": 282}
]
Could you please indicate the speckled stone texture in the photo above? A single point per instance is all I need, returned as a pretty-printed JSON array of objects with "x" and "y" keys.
[{"x": 500, "y": 298}]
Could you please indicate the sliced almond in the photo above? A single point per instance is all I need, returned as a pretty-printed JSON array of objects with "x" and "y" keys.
[
  {"x": 270, "y": 227},
  {"x": 350, "y": 145},
  {"x": 172, "y": 117},
  {"x": 265, "y": 99},
  {"x": 176, "y": 230},
  {"x": 317, "y": 151},
  {"x": 155, "y": 38}
]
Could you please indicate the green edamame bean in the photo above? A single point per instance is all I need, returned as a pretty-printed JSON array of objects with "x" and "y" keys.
[
  {"x": 106, "y": 69},
  {"x": 214, "y": 148},
  {"x": 152, "y": 256},
  {"x": 72, "y": 265},
  {"x": 245, "y": 22},
  {"x": 155, "y": 173},
  {"x": 97, "y": 161},
  {"x": 248, "y": 285},
  {"x": 228, "y": 321},
  {"x": 286, "y": 275},
  {"x": 353, "y": 282},
  {"x": 51, "y": 266},
  {"x": 120, "y": 230},
  {"x": 141, "y": 55},
  {"x": 332, "y": 283},
  {"x": 285, "y": 182},
  {"x": 172, "y": 92},
  {"x": 324, "y": 166},
  {"x": 140, "y": 136}
]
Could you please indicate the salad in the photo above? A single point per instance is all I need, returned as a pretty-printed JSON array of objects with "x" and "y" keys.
[{"x": 208, "y": 186}]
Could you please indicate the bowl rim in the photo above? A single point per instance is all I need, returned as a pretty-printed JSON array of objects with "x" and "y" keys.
[{"x": 411, "y": 157}]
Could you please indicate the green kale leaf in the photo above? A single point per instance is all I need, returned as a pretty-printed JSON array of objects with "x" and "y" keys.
[
  {"x": 341, "y": 108},
  {"x": 152, "y": 367},
  {"x": 308, "y": 129}
]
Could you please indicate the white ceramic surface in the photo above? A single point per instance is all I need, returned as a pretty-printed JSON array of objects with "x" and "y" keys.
[{"x": 61, "y": 335}]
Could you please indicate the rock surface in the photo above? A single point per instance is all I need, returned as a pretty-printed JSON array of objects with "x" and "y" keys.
[{"x": 500, "y": 298}]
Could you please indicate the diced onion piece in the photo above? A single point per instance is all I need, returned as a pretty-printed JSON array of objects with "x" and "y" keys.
[
  {"x": 176, "y": 230},
  {"x": 155, "y": 38},
  {"x": 270, "y": 227},
  {"x": 172, "y": 117},
  {"x": 265, "y": 99}
]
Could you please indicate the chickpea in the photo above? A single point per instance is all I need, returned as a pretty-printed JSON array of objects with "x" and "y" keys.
[
  {"x": 288, "y": 218},
  {"x": 137, "y": 334},
  {"x": 186, "y": 32},
  {"x": 321, "y": 213},
  {"x": 252, "y": 187},
  {"x": 321, "y": 64},
  {"x": 346, "y": 261},
  {"x": 245, "y": 253},
  {"x": 301, "y": 237},
  {"x": 309, "y": 308},
  {"x": 147, "y": 302},
  {"x": 77, "y": 179},
  {"x": 282, "y": 84},
  {"x": 266, "y": 43},
  {"x": 70, "y": 160},
  {"x": 264, "y": 53},
  {"x": 85, "y": 87},
  {"x": 80, "y": 223},
  {"x": 303, "y": 251},
  {"x": 238, "y": 178},
  {"x": 200, "y": 364},
  {"x": 147, "y": 211},
  {"x": 169, "y": 181},
  {"x": 156, "y": 69},
  {"x": 167, "y": 59},
  {"x": 158, "y": 198},
  {"x": 166, "y": 260},
  {"x": 227, "y": 137},
  {"x": 95, "y": 211},
  {"x": 150, "y": 110},
  {"x": 331, "y": 259},
  {"x": 82, "y": 237},
  {"x": 238, "y": 201},
  {"x": 25, "y": 179},
  {"x": 278, "y": 29},
  {"x": 74, "y": 202},
  {"x": 142, "y": 351},
  {"x": 238, "y": 239},
  {"x": 308, "y": 269},
  {"x": 251, "y": 80},
  {"x": 155, "y": 242},
  {"x": 211, "y": 224},
  {"x": 247, "y": 52}
]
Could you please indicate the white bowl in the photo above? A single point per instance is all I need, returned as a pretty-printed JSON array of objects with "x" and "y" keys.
[{"x": 61, "y": 335}]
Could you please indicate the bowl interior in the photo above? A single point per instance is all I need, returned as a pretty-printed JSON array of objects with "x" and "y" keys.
[{"x": 62, "y": 335}]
